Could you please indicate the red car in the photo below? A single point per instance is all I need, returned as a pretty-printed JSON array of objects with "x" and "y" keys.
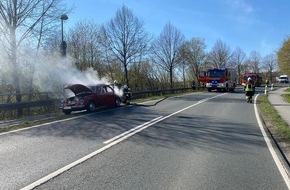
[{"x": 89, "y": 97}]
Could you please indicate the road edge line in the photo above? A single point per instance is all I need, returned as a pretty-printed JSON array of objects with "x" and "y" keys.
[{"x": 275, "y": 157}]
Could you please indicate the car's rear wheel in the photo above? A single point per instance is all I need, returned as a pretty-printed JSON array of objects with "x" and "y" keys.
[{"x": 91, "y": 106}]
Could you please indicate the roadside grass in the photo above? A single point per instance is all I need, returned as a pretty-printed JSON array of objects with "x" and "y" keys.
[
  {"x": 286, "y": 97},
  {"x": 273, "y": 120}
]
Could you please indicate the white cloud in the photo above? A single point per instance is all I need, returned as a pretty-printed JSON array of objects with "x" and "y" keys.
[{"x": 242, "y": 5}]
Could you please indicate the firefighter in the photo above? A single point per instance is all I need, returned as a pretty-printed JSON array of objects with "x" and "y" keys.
[
  {"x": 127, "y": 94},
  {"x": 249, "y": 89}
]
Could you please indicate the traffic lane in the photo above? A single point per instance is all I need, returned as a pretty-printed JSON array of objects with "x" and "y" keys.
[
  {"x": 31, "y": 154},
  {"x": 42, "y": 150},
  {"x": 230, "y": 133},
  {"x": 174, "y": 103},
  {"x": 215, "y": 145}
]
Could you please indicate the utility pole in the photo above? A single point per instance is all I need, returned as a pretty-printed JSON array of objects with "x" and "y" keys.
[{"x": 63, "y": 44}]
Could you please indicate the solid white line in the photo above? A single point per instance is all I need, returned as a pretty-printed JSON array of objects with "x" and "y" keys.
[
  {"x": 131, "y": 130},
  {"x": 83, "y": 159},
  {"x": 35, "y": 126},
  {"x": 57, "y": 121},
  {"x": 270, "y": 147}
]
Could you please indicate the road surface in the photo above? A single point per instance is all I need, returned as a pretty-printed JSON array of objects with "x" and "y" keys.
[{"x": 195, "y": 141}]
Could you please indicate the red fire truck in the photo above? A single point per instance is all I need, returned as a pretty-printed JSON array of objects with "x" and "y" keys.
[
  {"x": 256, "y": 78},
  {"x": 219, "y": 79}
]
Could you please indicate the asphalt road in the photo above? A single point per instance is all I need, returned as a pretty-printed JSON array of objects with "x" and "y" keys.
[{"x": 196, "y": 141}]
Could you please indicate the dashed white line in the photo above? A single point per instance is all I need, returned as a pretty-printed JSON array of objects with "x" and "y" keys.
[{"x": 131, "y": 130}]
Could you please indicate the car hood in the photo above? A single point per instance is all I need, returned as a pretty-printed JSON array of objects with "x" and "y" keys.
[{"x": 78, "y": 88}]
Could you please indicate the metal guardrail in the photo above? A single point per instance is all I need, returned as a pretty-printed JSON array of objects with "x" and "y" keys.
[
  {"x": 48, "y": 98},
  {"x": 17, "y": 105}
]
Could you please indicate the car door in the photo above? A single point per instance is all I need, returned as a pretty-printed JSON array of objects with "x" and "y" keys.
[
  {"x": 110, "y": 96},
  {"x": 106, "y": 96},
  {"x": 99, "y": 96}
]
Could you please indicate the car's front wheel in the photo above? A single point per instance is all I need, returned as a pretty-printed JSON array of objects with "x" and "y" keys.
[
  {"x": 91, "y": 106},
  {"x": 66, "y": 112},
  {"x": 117, "y": 102}
]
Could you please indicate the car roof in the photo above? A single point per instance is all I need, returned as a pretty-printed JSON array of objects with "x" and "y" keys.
[{"x": 80, "y": 88}]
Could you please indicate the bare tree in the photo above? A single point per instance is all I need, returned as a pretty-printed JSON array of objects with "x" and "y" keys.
[
  {"x": 270, "y": 64},
  {"x": 238, "y": 60},
  {"x": 255, "y": 60},
  {"x": 220, "y": 56},
  {"x": 18, "y": 22},
  {"x": 125, "y": 37},
  {"x": 166, "y": 48},
  {"x": 83, "y": 45},
  {"x": 195, "y": 55},
  {"x": 183, "y": 64}
]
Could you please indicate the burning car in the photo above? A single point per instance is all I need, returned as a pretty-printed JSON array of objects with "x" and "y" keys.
[{"x": 81, "y": 97}]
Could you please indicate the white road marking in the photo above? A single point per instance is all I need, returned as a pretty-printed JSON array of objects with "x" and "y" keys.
[
  {"x": 58, "y": 121},
  {"x": 118, "y": 140},
  {"x": 131, "y": 130},
  {"x": 35, "y": 126},
  {"x": 270, "y": 147}
]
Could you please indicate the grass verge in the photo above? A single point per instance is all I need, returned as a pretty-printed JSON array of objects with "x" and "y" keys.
[
  {"x": 273, "y": 120},
  {"x": 286, "y": 97}
]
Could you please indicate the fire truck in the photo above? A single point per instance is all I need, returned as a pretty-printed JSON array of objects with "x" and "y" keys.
[
  {"x": 221, "y": 79},
  {"x": 256, "y": 78}
]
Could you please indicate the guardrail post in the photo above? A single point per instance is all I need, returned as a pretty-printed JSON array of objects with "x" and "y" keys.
[
  {"x": 272, "y": 86},
  {"x": 266, "y": 89}
]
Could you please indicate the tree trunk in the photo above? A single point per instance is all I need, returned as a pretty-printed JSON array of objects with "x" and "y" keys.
[
  {"x": 171, "y": 79},
  {"x": 126, "y": 75}
]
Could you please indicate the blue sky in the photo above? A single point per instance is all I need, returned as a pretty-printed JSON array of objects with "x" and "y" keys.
[{"x": 259, "y": 25}]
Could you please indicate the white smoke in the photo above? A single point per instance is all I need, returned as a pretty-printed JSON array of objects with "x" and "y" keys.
[
  {"x": 50, "y": 72},
  {"x": 61, "y": 71}
]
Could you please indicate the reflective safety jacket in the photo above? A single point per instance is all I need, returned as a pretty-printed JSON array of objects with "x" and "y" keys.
[{"x": 249, "y": 87}]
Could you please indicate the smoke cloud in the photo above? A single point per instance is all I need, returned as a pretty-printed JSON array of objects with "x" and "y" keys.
[
  {"x": 61, "y": 71},
  {"x": 44, "y": 72}
]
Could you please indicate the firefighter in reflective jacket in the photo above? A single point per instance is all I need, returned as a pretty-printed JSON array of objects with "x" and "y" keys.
[
  {"x": 249, "y": 89},
  {"x": 127, "y": 94}
]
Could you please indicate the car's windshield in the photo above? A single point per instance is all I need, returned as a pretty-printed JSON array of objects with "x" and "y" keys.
[
  {"x": 284, "y": 78},
  {"x": 215, "y": 73},
  {"x": 246, "y": 77}
]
